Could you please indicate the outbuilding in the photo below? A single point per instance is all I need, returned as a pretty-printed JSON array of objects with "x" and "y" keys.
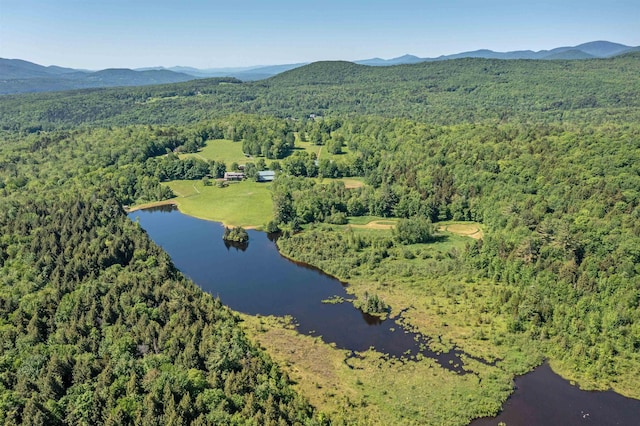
[
  {"x": 266, "y": 176},
  {"x": 233, "y": 176}
]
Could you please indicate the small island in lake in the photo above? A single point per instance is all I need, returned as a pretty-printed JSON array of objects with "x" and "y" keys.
[{"x": 238, "y": 234}]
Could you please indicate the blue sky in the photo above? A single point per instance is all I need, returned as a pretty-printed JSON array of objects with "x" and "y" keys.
[{"x": 96, "y": 34}]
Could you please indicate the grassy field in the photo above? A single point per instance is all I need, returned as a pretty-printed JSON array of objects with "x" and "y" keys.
[
  {"x": 221, "y": 150},
  {"x": 246, "y": 204},
  {"x": 445, "y": 230},
  {"x": 349, "y": 182},
  {"x": 230, "y": 152},
  {"x": 365, "y": 220},
  {"x": 353, "y": 182},
  {"x": 465, "y": 229},
  {"x": 319, "y": 150}
]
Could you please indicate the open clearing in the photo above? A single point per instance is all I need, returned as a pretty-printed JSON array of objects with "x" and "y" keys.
[
  {"x": 247, "y": 204},
  {"x": 377, "y": 224},
  {"x": 320, "y": 150},
  {"x": 465, "y": 229},
  {"x": 351, "y": 183},
  {"x": 221, "y": 150}
]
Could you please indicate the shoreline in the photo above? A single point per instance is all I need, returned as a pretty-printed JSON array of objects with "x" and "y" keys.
[
  {"x": 131, "y": 209},
  {"x": 174, "y": 202}
]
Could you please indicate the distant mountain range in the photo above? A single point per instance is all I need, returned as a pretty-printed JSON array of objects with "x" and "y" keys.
[
  {"x": 257, "y": 72},
  {"x": 594, "y": 49},
  {"x": 18, "y": 76}
]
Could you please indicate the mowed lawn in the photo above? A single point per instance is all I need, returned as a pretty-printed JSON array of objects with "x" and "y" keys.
[
  {"x": 246, "y": 203},
  {"x": 221, "y": 150}
]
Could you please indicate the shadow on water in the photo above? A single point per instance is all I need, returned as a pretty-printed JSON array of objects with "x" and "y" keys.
[
  {"x": 273, "y": 236},
  {"x": 255, "y": 279}
]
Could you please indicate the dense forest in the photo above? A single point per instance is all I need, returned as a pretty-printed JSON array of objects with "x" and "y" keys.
[{"x": 97, "y": 326}]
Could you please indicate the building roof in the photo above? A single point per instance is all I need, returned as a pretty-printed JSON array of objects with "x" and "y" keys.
[
  {"x": 266, "y": 175},
  {"x": 234, "y": 175}
]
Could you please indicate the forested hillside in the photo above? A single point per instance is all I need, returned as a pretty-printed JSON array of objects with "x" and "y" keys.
[
  {"x": 560, "y": 207},
  {"x": 18, "y": 76},
  {"x": 448, "y": 92},
  {"x": 98, "y": 327}
]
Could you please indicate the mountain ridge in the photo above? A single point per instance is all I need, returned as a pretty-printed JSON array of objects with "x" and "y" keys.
[
  {"x": 593, "y": 49},
  {"x": 21, "y": 76}
]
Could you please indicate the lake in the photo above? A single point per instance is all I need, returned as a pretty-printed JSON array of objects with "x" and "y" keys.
[{"x": 256, "y": 279}]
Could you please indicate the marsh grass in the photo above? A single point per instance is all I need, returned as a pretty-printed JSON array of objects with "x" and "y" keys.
[{"x": 370, "y": 388}]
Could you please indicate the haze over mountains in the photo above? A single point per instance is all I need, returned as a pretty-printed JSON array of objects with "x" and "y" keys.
[
  {"x": 19, "y": 76},
  {"x": 594, "y": 49}
]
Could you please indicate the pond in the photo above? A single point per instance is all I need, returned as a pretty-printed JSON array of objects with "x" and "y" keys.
[{"x": 256, "y": 279}]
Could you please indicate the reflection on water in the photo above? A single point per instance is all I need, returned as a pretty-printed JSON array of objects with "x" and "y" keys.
[
  {"x": 236, "y": 245},
  {"x": 167, "y": 208},
  {"x": 371, "y": 319}
]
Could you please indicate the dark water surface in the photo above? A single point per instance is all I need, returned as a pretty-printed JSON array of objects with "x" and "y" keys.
[
  {"x": 544, "y": 398},
  {"x": 256, "y": 279}
]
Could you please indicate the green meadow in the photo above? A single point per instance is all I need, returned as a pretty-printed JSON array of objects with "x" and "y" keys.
[
  {"x": 221, "y": 150},
  {"x": 349, "y": 182},
  {"x": 229, "y": 152},
  {"x": 246, "y": 204}
]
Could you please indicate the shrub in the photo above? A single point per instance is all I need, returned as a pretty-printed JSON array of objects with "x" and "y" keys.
[{"x": 413, "y": 231}]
